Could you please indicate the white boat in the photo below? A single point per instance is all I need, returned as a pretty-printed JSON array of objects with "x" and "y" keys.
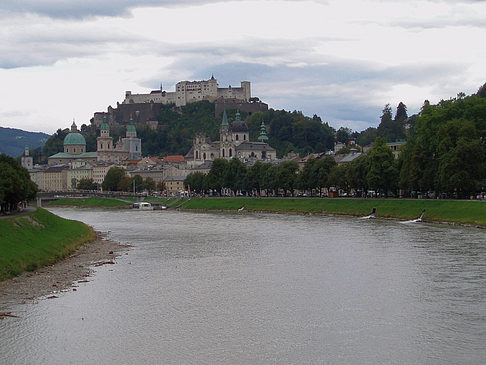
[{"x": 143, "y": 206}]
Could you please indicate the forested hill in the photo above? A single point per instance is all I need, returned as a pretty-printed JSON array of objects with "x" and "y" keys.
[
  {"x": 13, "y": 141},
  {"x": 287, "y": 131}
]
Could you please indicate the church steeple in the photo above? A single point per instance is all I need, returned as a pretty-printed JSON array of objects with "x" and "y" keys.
[
  {"x": 225, "y": 119},
  {"x": 263, "y": 133}
]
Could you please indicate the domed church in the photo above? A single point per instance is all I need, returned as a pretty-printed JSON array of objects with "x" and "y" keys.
[
  {"x": 74, "y": 149},
  {"x": 129, "y": 148}
]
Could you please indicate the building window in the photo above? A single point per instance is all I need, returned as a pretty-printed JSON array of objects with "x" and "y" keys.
[
  {"x": 204, "y": 156},
  {"x": 197, "y": 155},
  {"x": 222, "y": 152},
  {"x": 237, "y": 137},
  {"x": 244, "y": 137}
]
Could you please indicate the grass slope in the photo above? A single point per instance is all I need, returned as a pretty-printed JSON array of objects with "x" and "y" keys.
[
  {"x": 38, "y": 239},
  {"x": 454, "y": 211},
  {"x": 89, "y": 202}
]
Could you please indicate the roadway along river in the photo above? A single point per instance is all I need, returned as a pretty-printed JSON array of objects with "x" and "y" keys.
[{"x": 264, "y": 289}]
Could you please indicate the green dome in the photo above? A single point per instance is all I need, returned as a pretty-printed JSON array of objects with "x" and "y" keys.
[
  {"x": 131, "y": 128},
  {"x": 74, "y": 138},
  {"x": 105, "y": 126}
]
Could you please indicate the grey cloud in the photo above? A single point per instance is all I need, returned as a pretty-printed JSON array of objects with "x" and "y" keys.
[
  {"x": 87, "y": 8},
  {"x": 340, "y": 92}
]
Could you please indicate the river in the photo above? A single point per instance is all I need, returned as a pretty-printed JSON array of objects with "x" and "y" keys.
[{"x": 264, "y": 289}]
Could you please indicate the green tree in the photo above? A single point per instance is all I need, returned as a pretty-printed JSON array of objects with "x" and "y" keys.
[
  {"x": 86, "y": 184},
  {"x": 343, "y": 135},
  {"x": 307, "y": 177},
  {"x": 287, "y": 176},
  {"x": 195, "y": 182},
  {"x": 337, "y": 177},
  {"x": 15, "y": 184},
  {"x": 321, "y": 171},
  {"x": 149, "y": 184},
  {"x": 356, "y": 174},
  {"x": 382, "y": 173},
  {"x": 401, "y": 116},
  {"x": 216, "y": 175},
  {"x": 235, "y": 175},
  {"x": 113, "y": 178},
  {"x": 137, "y": 183}
]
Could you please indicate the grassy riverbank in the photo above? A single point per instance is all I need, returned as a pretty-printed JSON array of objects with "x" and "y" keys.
[
  {"x": 453, "y": 211},
  {"x": 90, "y": 202},
  {"x": 38, "y": 239}
]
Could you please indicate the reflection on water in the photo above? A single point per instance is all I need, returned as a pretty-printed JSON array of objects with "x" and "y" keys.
[{"x": 265, "y": 289}]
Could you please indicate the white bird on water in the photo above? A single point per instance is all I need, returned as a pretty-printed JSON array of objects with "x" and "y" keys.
[{"x": 241, "y": 209}]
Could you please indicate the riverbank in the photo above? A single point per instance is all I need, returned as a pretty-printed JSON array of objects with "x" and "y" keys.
[
  {"x": 450, "y": 211},
  {"x": 64, "y": 275},
  {"x": 37, "y": 239}
]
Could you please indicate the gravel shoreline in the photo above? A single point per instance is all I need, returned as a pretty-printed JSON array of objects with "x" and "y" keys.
[{"x": 61, "y": 276}]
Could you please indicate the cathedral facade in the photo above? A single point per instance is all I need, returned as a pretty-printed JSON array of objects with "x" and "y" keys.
[{"x": 234, "y": 141}]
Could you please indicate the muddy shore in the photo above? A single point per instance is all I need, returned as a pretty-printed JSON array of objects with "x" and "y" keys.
[{"x": 65, "y": 275}]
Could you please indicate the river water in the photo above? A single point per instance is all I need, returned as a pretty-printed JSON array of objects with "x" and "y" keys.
[{"x": 264, "y": 289}]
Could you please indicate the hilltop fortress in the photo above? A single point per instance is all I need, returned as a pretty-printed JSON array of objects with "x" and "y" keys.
[
  {"x": 190, "y": 92},
  {"x": 144, "y": 108}
]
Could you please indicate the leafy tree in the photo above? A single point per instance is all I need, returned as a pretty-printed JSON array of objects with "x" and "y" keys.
[
  {"x": 270, "y": 179},
  {"x": 287, "y": 176},
  {"x": 322, "y": 168},
  {"x": 195, "y": 182},
  {"x": 401, "y": 116},
  {"x": 160, "y": 186},
  {"x": 125, "y": 184},
  {"x": 235, "y": 175},
  {"x": 356, "y": 173},
  {"x": 113, "y": 178},
  {"x": 137, "y": 183},
  {"x": 390, "y": 129},
  {"x": 15, "y": 184},
  {"x": 343, "y": 135},
  {"x": 367, "y": 136},
  {"x": 149, "y": 184},
  {"x": 253, "y": 180},
  {"x": 382, "y": 173},
  {"x": 86, "y": 184},
  {"x": 307, "y": 178},
  {"x": 216, "y": 176},
  {"x": 337, "y": 177}
]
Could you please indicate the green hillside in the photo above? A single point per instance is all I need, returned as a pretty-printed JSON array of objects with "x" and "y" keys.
[{"x": 13, "y": 141}]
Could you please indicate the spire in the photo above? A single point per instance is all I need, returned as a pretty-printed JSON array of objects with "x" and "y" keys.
[
  {"x": 263, "y": 133},
  {"x": 225, "y": 119},
  {"x": 105, "y": 126},
  {"x": 74, "y": 128}
]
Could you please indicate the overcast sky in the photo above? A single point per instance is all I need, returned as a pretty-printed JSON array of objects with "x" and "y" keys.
[{"x": 340, "y": 59}]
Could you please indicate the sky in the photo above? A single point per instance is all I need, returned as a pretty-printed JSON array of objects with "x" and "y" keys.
[{"x": 343, "y": 60}]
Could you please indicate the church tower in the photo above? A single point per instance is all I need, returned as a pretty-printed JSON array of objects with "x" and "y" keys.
[
  {"x": 131, "y": 143},
  {"x": 104, "y": 142},
  {"x": 226, "y": 148},
  {"x": 26, "y": 160}
]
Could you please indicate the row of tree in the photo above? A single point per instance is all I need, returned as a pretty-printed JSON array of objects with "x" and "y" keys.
[
  {"x": 376, "y": 170},
  {"x": 117, "y": 180},
  {"x": 15, "y": 184}
]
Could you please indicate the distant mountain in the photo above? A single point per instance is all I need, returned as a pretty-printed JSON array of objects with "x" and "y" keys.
[{"x": 13, "y": 141}]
